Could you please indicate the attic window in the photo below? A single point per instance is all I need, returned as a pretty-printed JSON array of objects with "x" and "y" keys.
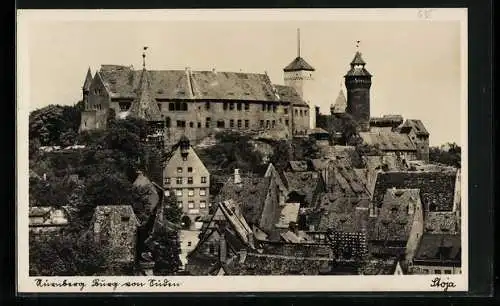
[
  {"x": 398, "y": 193},
  {"x": 125, "y": 218}
]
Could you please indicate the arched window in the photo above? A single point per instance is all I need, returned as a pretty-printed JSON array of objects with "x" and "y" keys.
[{"x": 167, "y": 122}]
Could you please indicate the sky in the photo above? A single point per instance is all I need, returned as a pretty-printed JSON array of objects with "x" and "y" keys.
[{"x": 415, "y": 64}]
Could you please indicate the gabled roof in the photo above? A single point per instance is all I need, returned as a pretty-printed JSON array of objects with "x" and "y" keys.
[
  {"x": 264, "y": 264},
  {"x": 444, "y": 222},
  {"x": 145, "y": 106},
  {"x": 304, "y": 183},
  {"x": 343, "y": 214},
  {"x": 415, "y": 124},
  {"x": 340, "y": 103},
  {"x": 347, "y": 181},
  {"x": 298, "y": 64},
  {"x": 388, "y": 141},
  {"x": 250, "y": 194},
  {"x": 394, "y": 221},
  {"x": 103, "y": 213},
  {"x": 88, "y": 80},
  {"x": 437, "y": 189},
  {"x": 121, "y": 81},
  {"x": 439, "y": 249},
  {"x": 289, "y": 213}
]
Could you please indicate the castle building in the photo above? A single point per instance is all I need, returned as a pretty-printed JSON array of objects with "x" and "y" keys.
[
  {"x": 187, "y": 177},
  {"x": 199, "y": 103},
  {"x": 358, "y": 82}
]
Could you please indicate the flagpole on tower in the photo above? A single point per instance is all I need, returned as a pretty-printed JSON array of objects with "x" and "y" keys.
[
  {"x": 144, "y": 57},
  {"x": 298, "y": 42}
]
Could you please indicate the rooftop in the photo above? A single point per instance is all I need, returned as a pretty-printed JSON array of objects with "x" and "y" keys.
[
  {"x": 437, "y": 189},
  {"x": 298, "y": 64},
  {"x": 416, "y": 125},
  {"x": 122, "y": 82},
  {"x": 343, "y": 214},
  {"x": 388, "y": 141},
  {"x": 439, "y": 249}
]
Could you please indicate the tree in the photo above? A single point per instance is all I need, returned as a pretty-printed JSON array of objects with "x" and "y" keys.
[
  {"x": 68, "y": 254},
  {"x": 448, "y": 154},
  {"x": 282, "y": 154},
  {"x": 166, "y": 252},
  {"x": 47, "y": 124}
]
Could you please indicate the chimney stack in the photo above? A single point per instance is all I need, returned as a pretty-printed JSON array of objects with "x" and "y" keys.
[{"x": 237, "y": 177}]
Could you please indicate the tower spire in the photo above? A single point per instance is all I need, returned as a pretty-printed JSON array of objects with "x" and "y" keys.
[
  {"x": 357, "y": 44},
  {"x": 298, "y": 42}
]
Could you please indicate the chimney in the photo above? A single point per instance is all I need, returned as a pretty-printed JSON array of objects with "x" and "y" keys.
[
  {"x": 222, "y": 248},
  {"x": 237, "y": 177}
]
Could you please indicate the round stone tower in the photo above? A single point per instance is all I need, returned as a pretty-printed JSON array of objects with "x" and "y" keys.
[{"x": 358, "y": 82}]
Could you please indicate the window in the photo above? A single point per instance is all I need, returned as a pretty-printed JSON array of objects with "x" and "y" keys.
[
  {"x": 437, "y": 271},
  {"x": 167, "y": 181},
  {"x": 285, "y": 110},
  {"x": 296, "y": 112},
  {"x": 159, "y": 105},
  {"x": 179, "y": 169},
  {"x": 447, "y": 271},
  {"x": 231, "y": 123},
  {"x": 224, "y": 106},
  {"x": 305, "y": 113},
  {"x": 190, "y": 204},
  {"x": 262, "y": 123},
  {"x": 300, "y": 112},
  {"x": 184, "y": 106},
  {"x": 179, "y": 203},
  {"x": 199, "y": 124},
  {"x": 203, "y": 204},
  {"x": 207, "y": 122},
  {"x": 203, "y": 179},
  {"x": 286, "y": 122},
  {"x": 191, "y": 124},
  {"x": 181, "y": 123},
  {"x": 274, "y": 108},
  {"x": 125, "y": 218},
  {"x": 269, "y": 107},
  {"x": 207, "y": 105},
  {"x": 178, "y": 180},
  {"x": 212, "y": 249},
  {"x": 189, "y": 243},
  {"x": 190, "y": 169},
  {"x": 239, "y": 124},
  {"x": 171, "y": 106},
  {"x": 167, "y": 122},
  {"x": 178, "y": 192},
  {"x": 247, "y": 106},
  {"x": 273, "y": 124},
  {"x": 238, "y": 106},
  {"x": 220, "y": 124},
  {"x": 190, "y": 192},
  {"x": 203, "y": 192},
  {"x": 231, "y": 105},
  {"x": 247, "y": 123},
  {"x": 267, "y": 123},
  {"x": 190, "y": 180},
  {"x": 124, "y": 106},
  {"x": 263, "y": 107}
]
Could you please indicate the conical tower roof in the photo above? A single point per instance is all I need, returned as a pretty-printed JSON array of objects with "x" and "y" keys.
[
  {"x": 358, "y": 59},
  {"x": 340, "y": 103},
  {"x": 144, "y": 106},
  {"x": 298, "y": 64},
  {"x": 88, "y": 80}
]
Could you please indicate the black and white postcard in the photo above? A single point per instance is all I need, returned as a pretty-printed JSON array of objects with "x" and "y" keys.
[{"x": 242, "y": 150}]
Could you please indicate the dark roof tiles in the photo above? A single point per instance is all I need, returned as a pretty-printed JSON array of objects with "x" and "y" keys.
[
  {"x": 298, "y": 64},
  {"x": 439, "y": 248}
]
